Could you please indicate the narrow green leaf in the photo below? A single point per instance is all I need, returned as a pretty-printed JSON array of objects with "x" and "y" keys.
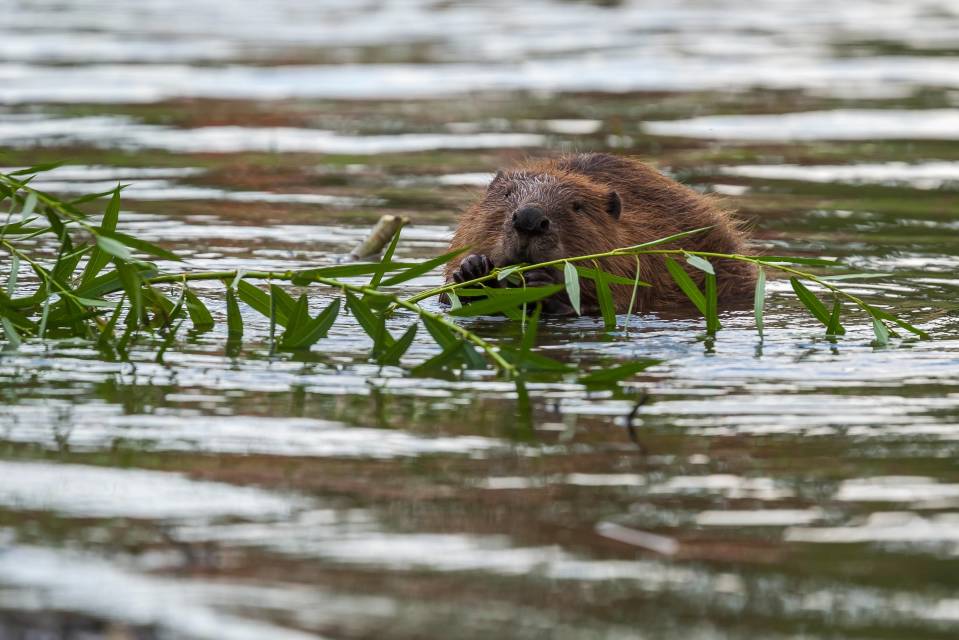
[
  {"x": 834, "y": 328},
  {"x": 385, "y": 260},
  {"x": 29, "y": 204},
  {"x": 506, "y": 299},
  {"x": 299, "y": 316},
  {"x": 382, "y": 339},
  {"x": 451, "y": 355},
  {"x": 416, "y": 270},
  {"x": 306, "y": 276},
  {"x": 362, "y": 313},
  {"x": 200, "y": 316},
  {"x": 308, "y": 333},
  {"x": 701, "y": 263},
  {"x": 67, "y": 264},
  {"x": 284, "y": 301},
  {"x": 98, "y": 260},
  {"x": 883, "y": 315},
  {"x": 100, "y": 304},
  {"x": 110, "y": 281},
  {"x": 686, "y": 284},
  {"x": 611, "y": 278},
  {"x": 8, "y": 311},
  {"x": 615, "y": 374},
  {"x": 168, "y": 340},
  {"x": 106, "y": 333},
  {"x": 455, "y": 302},
  {"x": 675, "y": 236},
  {"x": 234, "y": 321},
  {"x": 37, "y": 168},
  {"x": 855, "y": 276},
  {"x": 632, "y": 297},
  {"x": 815, "y": 306},
  {"x": 572, "y": 286},
  {"x": 22, "y": 227},
  {"x": 393, "y": 354},
  {"x": 881, "y": 331},
  {"x": 44, "y": 317},
  {"x": 532, "y": 361},
  {"x": 443, "y": 336},
  {"x": 372, "y": 324},
  {"x": 112, "y": 214},
  {"x": 605, "y": 299},
  {"x": 96, "y": 196},
  {"x": 259, "y": 300},
  {"x": 759, "y": 300},
  {"x": 14, "y": 272},
  {"x": 10, "y": 332},
  {"x": 712, "y": 305},
  {"x": 507, "y": 272},
  {"x": 141, "y": 245},
  {"x": 446, "y": 339},
  {"x": 114, "y": 248},
  {"x": 815, "y": 262},
  {"x": 130, "y": 278},
  {"x": 161, "y": 306}
]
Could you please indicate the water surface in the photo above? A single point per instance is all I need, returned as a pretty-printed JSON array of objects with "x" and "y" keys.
[{"x": 777, "y": 488}]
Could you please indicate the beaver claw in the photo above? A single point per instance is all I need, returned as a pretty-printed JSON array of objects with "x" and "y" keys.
[{"x": 472, "y": 267}]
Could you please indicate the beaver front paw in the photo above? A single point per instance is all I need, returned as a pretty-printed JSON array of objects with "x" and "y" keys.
[
  {"x": 557, "y": 304},
  {"x": 473, "y": 267}
]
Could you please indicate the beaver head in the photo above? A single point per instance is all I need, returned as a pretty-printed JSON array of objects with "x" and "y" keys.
[{"x": 549, "y": 215}]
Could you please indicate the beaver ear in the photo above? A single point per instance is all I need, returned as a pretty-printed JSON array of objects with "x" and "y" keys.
[
  {"x": 614, "y": 205},
  {"x": 499, "y": 177}
]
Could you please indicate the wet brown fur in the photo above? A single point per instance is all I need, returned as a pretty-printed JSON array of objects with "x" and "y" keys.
[{"x": 652, "y": 207}]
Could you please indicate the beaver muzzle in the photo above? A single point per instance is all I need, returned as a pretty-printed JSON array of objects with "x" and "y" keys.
[{"x": 530, "y": 220}]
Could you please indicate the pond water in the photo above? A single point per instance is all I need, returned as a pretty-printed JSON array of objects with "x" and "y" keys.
[{"x": 797, "y": 486}]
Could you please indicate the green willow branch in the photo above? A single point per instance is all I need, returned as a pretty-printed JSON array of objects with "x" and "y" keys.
[
  {"x": 135, "y": 280},
  {"x": 877, "y": 315},
  {"x": 494, "y": 274},
  {"x": 288, "y": 276}
]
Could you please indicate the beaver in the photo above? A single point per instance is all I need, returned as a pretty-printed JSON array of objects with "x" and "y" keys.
[{"x": 591, "y": 203}]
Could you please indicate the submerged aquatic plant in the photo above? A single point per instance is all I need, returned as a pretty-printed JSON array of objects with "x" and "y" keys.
[{"x": 97, "y": 287}]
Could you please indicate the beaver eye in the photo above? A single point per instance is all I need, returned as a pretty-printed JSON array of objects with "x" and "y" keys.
[{"x": 578, "y": 207}]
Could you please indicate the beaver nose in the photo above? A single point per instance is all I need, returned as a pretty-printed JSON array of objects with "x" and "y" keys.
[{"x": 530, "y": 220}]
